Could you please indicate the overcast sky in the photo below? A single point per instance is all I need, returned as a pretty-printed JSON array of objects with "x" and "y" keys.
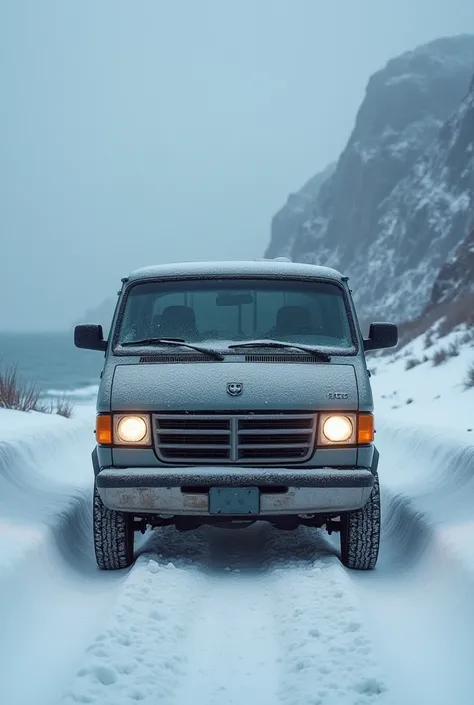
[{"x": 145, "y": 131}]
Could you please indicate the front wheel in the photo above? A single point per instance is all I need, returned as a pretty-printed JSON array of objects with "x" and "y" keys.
[
  {"x": 113, "y": 536},
  {"x": 360, "y": 533}
]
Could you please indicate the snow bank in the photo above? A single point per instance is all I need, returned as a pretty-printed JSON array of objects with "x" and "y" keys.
[
  {"x": 428, "y": 486},
  {"x": 419, "y": 599},
  {"x": 50, "y": 590},
  {"x": 45, "y": 481},
  {"x": 40, "y": 466},
  {"x": 425, "y": 433},
  {"x": 18, "y": 424}
]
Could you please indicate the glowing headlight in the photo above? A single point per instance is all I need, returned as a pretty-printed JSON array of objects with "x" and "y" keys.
[
  {"x": 132, "y": 430},
  {"x": 338, "y": 429}
]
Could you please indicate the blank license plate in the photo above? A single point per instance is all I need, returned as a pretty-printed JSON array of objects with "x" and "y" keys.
[{"x": 234, "y": 500}]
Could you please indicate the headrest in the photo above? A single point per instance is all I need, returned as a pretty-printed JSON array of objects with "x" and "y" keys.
[
  {"x": 175, "y": 314},
  {"x": 292, "y": 320},
  {"x": 178, "y": 322}
]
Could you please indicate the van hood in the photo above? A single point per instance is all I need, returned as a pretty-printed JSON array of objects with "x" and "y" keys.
[{"x": 205, "y": 387}]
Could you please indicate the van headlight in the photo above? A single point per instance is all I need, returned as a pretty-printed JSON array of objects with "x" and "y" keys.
[
  {"x": 132, "y": 430},
  {"x": 337, "y": 429}
]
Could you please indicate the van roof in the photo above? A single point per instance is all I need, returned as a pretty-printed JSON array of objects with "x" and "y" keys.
[{"x": 274, "y": 268}]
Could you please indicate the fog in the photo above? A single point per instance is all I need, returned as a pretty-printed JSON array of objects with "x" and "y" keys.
[{"x": 145, "y": 132}]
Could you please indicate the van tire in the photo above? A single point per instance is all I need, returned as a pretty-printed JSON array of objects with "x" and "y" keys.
[
  {"x": 360, "y": 533},
  {"x": 113, "y": 536}
]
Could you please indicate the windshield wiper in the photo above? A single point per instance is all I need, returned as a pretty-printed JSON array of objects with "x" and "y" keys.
[
  {"x": 178, "y": 342},
  {"x": 319, "y": 354}
]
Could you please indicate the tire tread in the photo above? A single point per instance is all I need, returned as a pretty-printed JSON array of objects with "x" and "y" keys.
[
  {"x": 360, "y": 533},
  {"x": 113, "y": 536}
]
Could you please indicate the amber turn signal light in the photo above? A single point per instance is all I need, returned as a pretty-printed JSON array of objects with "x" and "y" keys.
[
  {"x": 365, "y": 429},
  {"x": 103, "y": 429}
]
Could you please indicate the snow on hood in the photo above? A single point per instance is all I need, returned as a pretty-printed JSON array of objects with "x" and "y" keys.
[{"x": 203, "y": 387}]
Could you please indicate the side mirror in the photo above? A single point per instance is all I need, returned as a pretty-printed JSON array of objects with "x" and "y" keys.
[
  {"x": 89, "y": 337},
  {"x": 381, "y": 335}
]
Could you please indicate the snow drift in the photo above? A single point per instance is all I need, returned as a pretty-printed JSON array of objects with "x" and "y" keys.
[{"x": 49, "y": 593}]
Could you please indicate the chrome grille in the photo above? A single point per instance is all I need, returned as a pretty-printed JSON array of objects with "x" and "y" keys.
[{"x": 226, "y": 438}]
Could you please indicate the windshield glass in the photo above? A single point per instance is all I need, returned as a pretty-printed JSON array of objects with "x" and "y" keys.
[{"x": 220, "y": 312}]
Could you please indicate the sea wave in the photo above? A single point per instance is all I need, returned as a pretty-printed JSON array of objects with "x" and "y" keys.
[{"x": 88, "y": 393}]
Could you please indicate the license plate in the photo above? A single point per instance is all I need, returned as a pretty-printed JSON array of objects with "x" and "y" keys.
[{"x": 234, "y": 500}]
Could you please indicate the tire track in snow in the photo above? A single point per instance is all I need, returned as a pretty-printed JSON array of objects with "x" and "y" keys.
[
  {"x": 139, "y": 656},
  {"x": 329, "y": 657},
  {"x": 232, "y": 645},
  {"x": 252, "y": 616},
  {"x": 233, "y": 653}
]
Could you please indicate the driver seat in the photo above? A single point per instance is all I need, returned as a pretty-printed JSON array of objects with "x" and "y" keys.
[
  {"x": 293, "y": 320},
  {"x": 178, "y": 322}
]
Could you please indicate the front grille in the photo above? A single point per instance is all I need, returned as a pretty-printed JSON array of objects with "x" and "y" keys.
[{"x": 225, "y": 438}]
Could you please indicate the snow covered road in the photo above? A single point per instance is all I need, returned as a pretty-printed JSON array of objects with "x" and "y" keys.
[
  {"x": 249, "y": 616},
  {"x": 255, "y": 616}
]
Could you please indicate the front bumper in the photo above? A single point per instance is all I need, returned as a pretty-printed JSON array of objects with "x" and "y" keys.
[{"x": 162, "y": 491}]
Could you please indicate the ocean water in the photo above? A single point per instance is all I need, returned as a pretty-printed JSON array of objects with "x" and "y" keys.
[{"x": 54, "y": 364}]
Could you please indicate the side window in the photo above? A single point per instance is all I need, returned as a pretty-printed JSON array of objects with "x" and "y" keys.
[
  {"x": 334, "y": 316},
  {"x": 136, "y": 322}
]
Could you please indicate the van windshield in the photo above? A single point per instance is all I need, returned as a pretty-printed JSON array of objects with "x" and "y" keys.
[{"x": 221, "y": 312}]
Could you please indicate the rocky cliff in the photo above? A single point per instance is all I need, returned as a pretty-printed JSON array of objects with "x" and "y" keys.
[
  {"x": 456, "y": 276},
  {"x": 298, "y": 208},
  {"x": 401, "y": 197}
]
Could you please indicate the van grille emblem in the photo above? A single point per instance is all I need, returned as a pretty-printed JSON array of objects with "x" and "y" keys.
[{"x": 235, "y": 389}]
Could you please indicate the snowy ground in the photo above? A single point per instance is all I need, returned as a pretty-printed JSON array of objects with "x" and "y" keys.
[
  {"x": 427, "y": 394},
  {"x": 254, "y": 616}
]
